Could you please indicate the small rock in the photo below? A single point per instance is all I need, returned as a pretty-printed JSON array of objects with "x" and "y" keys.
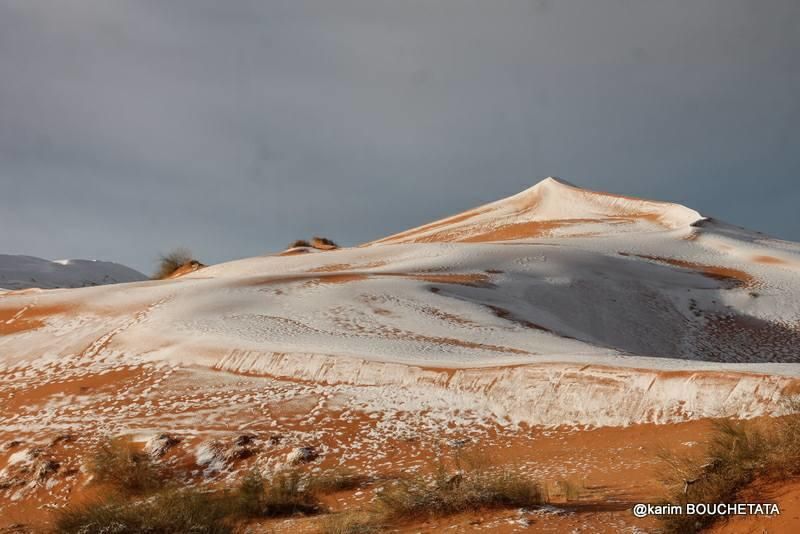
[
  {"x": 159, "y": 444},
  {"x": 238, "y": 453},
  {"x": 24, "y": 457},
  {"x": 44, "y": 469},
  {"x": 244, "y": 446},
  {"x": 216, "y": 455},
  {"x": 211, "y": 455},
  {"x": 302, "y": 455}
]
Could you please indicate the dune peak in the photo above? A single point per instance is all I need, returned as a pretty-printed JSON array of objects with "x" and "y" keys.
[{"x": 553, "y": 207}]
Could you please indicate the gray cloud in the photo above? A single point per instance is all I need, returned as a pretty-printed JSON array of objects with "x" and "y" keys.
[{"x": 234, "y": 127}]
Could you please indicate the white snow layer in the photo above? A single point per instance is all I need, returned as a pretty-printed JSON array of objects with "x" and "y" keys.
[{"x": 592, "y": 328}]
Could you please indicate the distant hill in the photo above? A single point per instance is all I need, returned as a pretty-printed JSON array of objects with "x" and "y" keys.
[{"x": 23, "y": 272}]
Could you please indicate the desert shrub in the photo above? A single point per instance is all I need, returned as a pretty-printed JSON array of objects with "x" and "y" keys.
[
  {"x": 462, "y": 491},
  {"x": 249, "y": 498},
  {"x": 173, "y": 512},
  {"x": 323, "y": 243},
  {"x": 286, "y": 494},
  {"x": 336, "y": 480},
  {"x": 119, "y": 463},
  {"x": 299, "y": 243},
  {"x": 738, "y": 453},
  {"x": 349, "y": 523},
  {"x": 172, "y": 261},
  {"x": 732, "y": 460},
  {"x": 785, "y": 461}
]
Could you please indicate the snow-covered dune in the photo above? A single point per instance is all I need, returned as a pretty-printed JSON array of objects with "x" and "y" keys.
[
  {"x": 558, "y": 297},
  {"x": 553, "y": 207},
  {"x": 22, "y": 272}
]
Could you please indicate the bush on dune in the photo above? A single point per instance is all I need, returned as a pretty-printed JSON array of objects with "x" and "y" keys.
[
  {"x": 119, "y": 463},
  {"x": 172, "y": 512},
  {"x": 477, "y": 487},
  {"x": 144, "y": 501},
  {"x": 739, "y": 453},
  {"x": 172, "y": 261},
  {"x": 317, "y": 242},
  {"x": 188, "y": 510},
  {"x": 323, "y": 243},
  {"x": 349, "y": 523},
  {"x": 472, "y": 483},
  {"x": 286, "y": 494},
  {"x": 336, "y": 480}
]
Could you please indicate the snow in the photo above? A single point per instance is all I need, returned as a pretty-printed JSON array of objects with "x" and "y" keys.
[
  {"x": 611, "y": 319},
  {"x": 576, "y": 212},
  {"x": 22, "y": 272}
]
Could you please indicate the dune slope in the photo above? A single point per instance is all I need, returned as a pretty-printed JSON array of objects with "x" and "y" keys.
[{"x": 549, "y": 291}]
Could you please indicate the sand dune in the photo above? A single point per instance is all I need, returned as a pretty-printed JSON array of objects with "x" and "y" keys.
[
  {"x": 464, "y": 292},
  {"x": 556, "y": 306}
]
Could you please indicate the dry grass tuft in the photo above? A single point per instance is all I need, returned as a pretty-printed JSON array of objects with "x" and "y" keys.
[
  {"x": 464, "y": 490},
  {"x": 349, "y": 523},
  {"x": 299, "y": 243},
  {"x": 174, "y": 512},
  {"x": 119, "y": 463},
  {"x": 286, "y": 494},
  {"x": 738, "y": 453},
  {"x": 569, "y": 490},
  {"x": 172, "y": 261},
  {"x": 336, "y": 480}
]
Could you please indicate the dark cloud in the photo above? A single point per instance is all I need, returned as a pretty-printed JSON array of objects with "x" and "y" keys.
[{"x": 234, "y": 127}]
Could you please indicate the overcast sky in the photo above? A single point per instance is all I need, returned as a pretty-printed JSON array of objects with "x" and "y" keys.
[{"x": 234, "y": 127}]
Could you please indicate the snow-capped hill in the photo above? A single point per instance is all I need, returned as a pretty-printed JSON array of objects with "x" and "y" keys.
[
  {"x": 552, "y": 208},
  {"x": 23, "y": 272},
  {"x": 595, "y": 308}
]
